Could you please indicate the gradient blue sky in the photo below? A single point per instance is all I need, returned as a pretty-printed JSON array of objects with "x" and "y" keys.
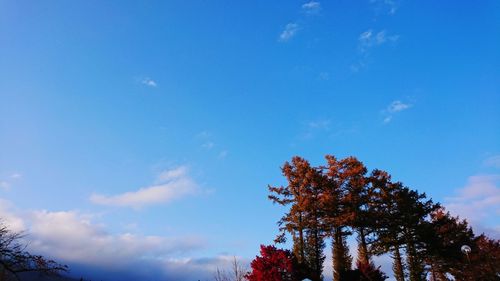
[{"x": 146, "y": 132}]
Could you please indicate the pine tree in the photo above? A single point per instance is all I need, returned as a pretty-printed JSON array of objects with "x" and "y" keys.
[
  {"x": 482, "y": 263},
  {"x": 356, "y": 203},
  {"x": 387, "y": 224},
  {"x": 336, "y": 218},
  {"x": 414, "y": 209},
  {"x": 444, "y": 237},
  {"x": 303, "y": 221}
]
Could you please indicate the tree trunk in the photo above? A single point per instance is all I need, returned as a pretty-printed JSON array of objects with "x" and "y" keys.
[
  {"x": 415, "y": 268},
  {"x": 339, "y": 254},
  {"x": 301, "y": 239},
  {"x": 397, "y": 266},
  {"x": 363, "y": 255},
  {"x": 317, "y": 259}
]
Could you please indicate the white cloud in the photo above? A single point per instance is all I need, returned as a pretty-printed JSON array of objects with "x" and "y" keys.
[
  {"x": 493, "y": 161},
  {"x": 397, "y": 106},
  {"x": 478, "y": 201},
  {"x": 324, "y": 76},
  {"x": 171, "y": 184},
  {"x": 394, "y": 108},
  {"x": 356, "y": 67},
  {"x": 172, "y": 174},
  {"x": 8, "y": 181},
  {"x": 206, "y": 140},
  {"x": 204, "y": 135},
  {"x": 370, "y": 39},
  {"x": 313, "y": 128},
  {"x": 322, "y": 124},
  {"x": 223, "y": 154},
  {"x": 311, "y": 7},
  {"x": 208, "y": 145},
  {"x": 4, "y": 185},
  {"x": 73, "y": 238},
  {"x": 289, "y": 32},
  {"x": 9, "y": 217},
  {"x": 365, "y": 36},
  {"x": 149, "y": 82},
  {"x": 386, "y": 6}
]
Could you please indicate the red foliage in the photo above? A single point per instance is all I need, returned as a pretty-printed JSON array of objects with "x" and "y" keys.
[{"x": 273, "y": 265}]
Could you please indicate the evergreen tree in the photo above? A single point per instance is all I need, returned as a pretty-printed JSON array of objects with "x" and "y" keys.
[
  {"x": 482, "y": 263},
  {"x": 336, "y": 216},
  {"x": 414, "y": 209},
  {"x": 387, "y": 223},
  {"x": 356, "y": 203},
  {"x": 303, "y": 221},
  {"x": 444, "y": 237}
]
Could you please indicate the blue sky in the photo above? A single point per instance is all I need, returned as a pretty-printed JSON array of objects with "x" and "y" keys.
[{"x": 149, "y": 130}]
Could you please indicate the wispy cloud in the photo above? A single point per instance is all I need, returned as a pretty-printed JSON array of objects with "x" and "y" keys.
[
  {"x": 149, "y": 82},
  {"x": 493, "y": 161},
  {"x": 16, "y": 176},
  {"x": 171, "y": 184},
  {"x": 292, "y": 28},
  {"x": 223, "y": 154},
  {"x": 208, "y": 145},
  {"x": 393, "y": 108},
  {"x": 311, "y": 7},
  {"x": 289, "y": 32},
  {"x": 313, "y": 128},
  {"x": 370, "y": 39},
  {"x": 478, "y": 201},
  {"x": 322, "y": 124},
  {"x": 7, "y": 181},
  {"x": 4, "y": 185},
  {"x": 397, "y": 106},
  {"x": 386, "y": 6},
  {"x": 324, "y": 76},
  {"x": 207, "y": 142},
  {"x": 203, "y": 135}
]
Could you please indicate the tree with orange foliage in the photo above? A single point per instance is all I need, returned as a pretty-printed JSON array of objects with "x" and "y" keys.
[{"x": 303, "y": 221}]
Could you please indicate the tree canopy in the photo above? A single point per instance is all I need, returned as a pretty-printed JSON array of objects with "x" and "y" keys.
[{"x": 343, "y": 198}]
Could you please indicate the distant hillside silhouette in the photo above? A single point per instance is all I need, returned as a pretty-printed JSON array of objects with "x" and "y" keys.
[{"x": 35, "y": 276}]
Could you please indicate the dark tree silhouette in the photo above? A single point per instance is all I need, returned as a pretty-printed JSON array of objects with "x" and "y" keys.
[
  {"x": 414, "y": 209},
  {"x": 336, "y": 216},
  {"x": 386, "y": 220},
  {"x": 14, "y": 259},
  {"x": 444, "y": 237},
  {"x": 483, "y": 262},
  {"x": 363, "y": 272}
]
